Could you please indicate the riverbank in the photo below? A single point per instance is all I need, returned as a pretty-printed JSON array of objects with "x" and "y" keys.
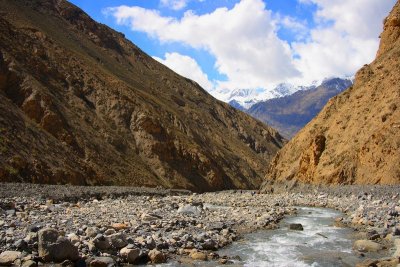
[{"x": 112, "y": 225}]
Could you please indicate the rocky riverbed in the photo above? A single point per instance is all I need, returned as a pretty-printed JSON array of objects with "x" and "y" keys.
[{"x": 106, "y": 226}]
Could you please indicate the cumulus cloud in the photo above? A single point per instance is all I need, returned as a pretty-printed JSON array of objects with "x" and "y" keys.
[
  {"x": 246, "y": 46},
  {"x": 188, "y": 67},
  {"x": 242, "y": 39},
  {"x": 345, "y": 38}
]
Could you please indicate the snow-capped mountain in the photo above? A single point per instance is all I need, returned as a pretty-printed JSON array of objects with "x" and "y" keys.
[
  {"x": 290, "y": 113},
  {"x": 239, "y": 98},
  {"x": 244, "y": 99}
]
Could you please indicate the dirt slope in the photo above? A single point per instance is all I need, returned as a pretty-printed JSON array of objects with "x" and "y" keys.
[
  {"x": 80, "y": 104},
  {"x": 356, "y": 137}
]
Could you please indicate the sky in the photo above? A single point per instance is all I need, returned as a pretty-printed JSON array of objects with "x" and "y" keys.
[{"x": 226, "y": 45}]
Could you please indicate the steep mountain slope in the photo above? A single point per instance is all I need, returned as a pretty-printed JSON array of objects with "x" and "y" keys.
[
  {"x": 356, "y": 137},
  {"x": 290, "y": 113},
  {"x": 80, "y": 104}
]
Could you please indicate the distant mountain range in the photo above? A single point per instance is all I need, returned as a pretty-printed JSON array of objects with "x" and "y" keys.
[
  {"x": 245, "y": 98},
  {"x": 290, "y": 113}
]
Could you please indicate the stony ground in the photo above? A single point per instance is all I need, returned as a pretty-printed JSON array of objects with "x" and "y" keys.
[{"x": 105, "y": 226}]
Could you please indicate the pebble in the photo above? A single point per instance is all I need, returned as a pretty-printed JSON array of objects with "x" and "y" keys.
[{"x": 142, "y": 228}]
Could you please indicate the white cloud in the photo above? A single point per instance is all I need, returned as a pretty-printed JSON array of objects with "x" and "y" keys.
[
  {"x": 349, "y": 41},
  {"x": 188, "y": 67},
  {"x": 242, "y": 39},
  {"x": 246, "y": 46},
  {"x": 358, "y": 18},
  {"x": 174, "y": 4}
]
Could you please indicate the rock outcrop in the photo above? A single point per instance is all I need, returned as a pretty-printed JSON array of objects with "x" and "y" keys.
[
  {"x": 80, "y": 104},
  {"x": 355, "y": 139}
]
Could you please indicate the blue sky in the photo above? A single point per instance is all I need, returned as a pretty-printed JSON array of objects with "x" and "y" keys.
[{"x": 227, "y": 45}]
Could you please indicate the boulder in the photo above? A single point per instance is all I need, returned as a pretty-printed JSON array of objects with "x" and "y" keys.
[
  {"x": 150, "y": 243},
  {"x": 7, "y": 258},
  {"x": 102, "y": 242},
  {"x": 157, "y": 256},
  {"x": 101, "y": 262},
  {"x": 296, "y": 226},
  {"x": 53, "y": 247},
  {"x": 92, "y": 231},
  {"x": 366, "y": 246},
  {"x": 130, "y": 255},
  {"x": 118, "y": 240},
  {"x": 190, "y": 210},
  {"x": 209, "y": 244},
  {"x": 199, "y": 256},
  {"x": 73, "y": 238}
]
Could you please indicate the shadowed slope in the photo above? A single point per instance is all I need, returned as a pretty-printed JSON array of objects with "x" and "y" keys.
[{"x": 80, "y": 104}]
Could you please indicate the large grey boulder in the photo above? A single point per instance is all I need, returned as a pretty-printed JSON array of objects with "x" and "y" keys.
[{"x": 55, "y": 248}]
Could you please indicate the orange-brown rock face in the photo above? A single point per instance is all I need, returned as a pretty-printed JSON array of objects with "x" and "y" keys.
[
  {"x": 356, "y": 137},
  {"x": 80, "y": 104}
]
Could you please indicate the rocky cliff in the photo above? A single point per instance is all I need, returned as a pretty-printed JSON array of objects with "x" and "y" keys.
[
  {"x": 355, "y": 139},
  {"x": 80, "y": 104}
]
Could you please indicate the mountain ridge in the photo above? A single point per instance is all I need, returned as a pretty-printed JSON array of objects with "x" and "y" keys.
[
  {"x": 80, "y": 104},
  {"x": 355, "y": 139},
  {"x": 290, "y": 113}
]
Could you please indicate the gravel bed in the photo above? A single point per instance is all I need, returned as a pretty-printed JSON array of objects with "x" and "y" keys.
[{"x": 115, "y": 226}]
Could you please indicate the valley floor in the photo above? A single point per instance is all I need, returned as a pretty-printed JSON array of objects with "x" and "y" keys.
[{"x": 102, "y": 226}]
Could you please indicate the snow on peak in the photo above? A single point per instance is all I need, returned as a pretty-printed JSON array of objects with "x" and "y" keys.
[{"x": 248, "y": 97}]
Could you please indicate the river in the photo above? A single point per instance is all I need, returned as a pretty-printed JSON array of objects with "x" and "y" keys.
[{"x": 319, "y": 244}]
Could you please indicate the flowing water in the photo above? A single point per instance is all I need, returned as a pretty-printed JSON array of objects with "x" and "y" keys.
[{"x": 320, "y": 244}]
